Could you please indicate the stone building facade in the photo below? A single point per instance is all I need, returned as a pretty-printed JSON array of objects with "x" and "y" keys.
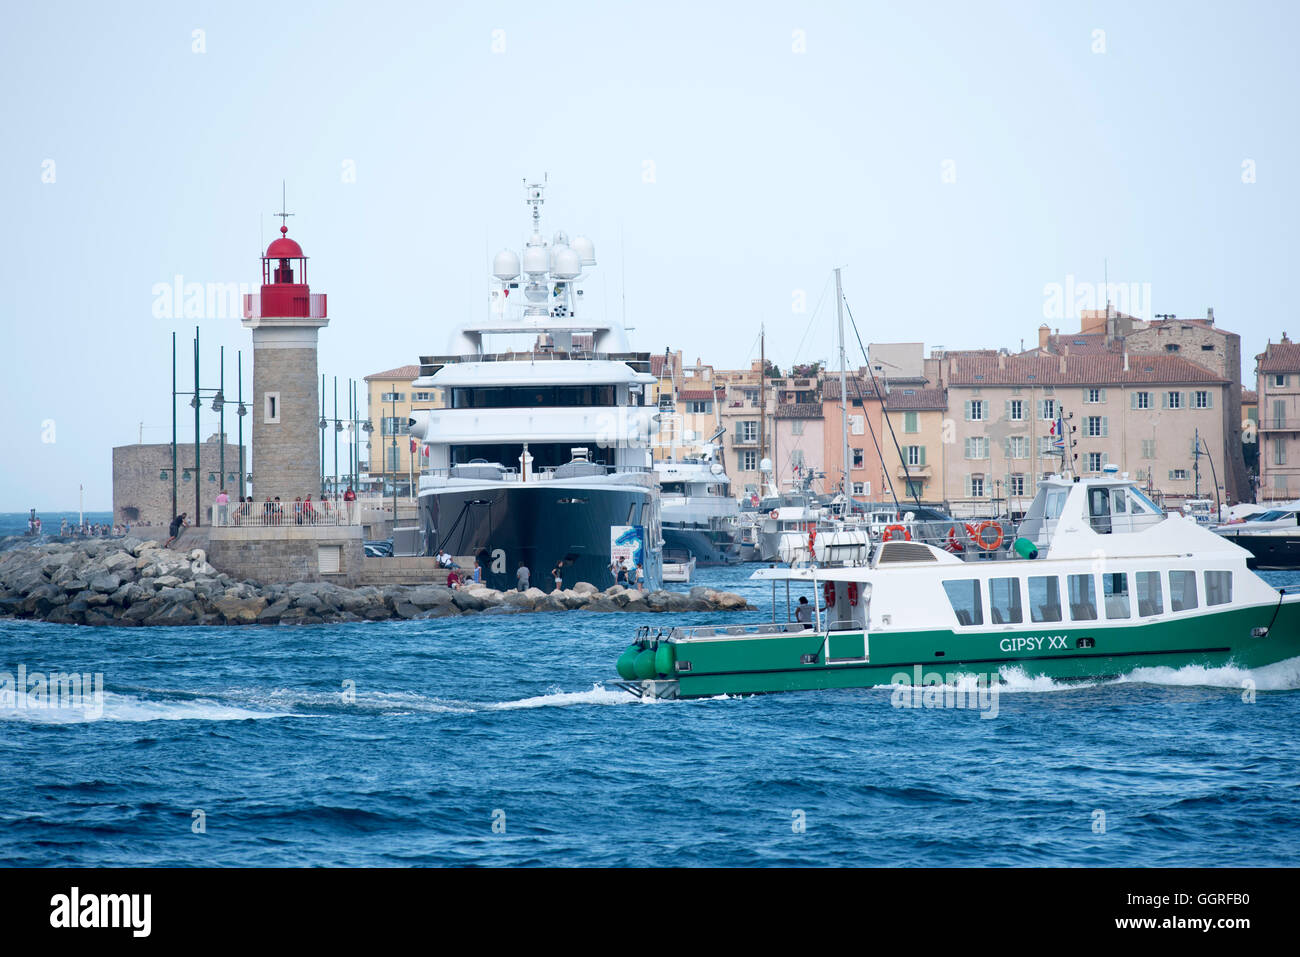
[
  {"x": 142, "y": 481},
  {"x": 1277, "y": 375}
]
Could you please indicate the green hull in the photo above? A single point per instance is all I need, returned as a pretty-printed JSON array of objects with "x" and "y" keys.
[{"x": 757, "y": 664}]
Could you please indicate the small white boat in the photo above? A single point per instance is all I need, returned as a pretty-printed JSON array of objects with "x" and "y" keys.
[{"x": 678, "y": 566}]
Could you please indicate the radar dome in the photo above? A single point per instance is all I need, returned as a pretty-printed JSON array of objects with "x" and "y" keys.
[
  {"x": 561, "y": 238},
  {"x": 505, "y": 265},
  {"x": 565, "y": 263},
  {"x": 536, "y": 260},
  {"x": 585, "y": 249},
  {"x": 765, "y": 465}
]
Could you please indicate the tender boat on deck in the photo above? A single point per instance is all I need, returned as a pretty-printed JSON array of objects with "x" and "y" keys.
[{"x": 1099, "y": 582}]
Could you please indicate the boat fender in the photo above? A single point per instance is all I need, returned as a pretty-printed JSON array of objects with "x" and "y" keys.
[
  {"x": 853, "y": 594},
  {"x": 903, "y": 533},
  {"x": 828, "y": 593},
  {"x": 644, "y": 665},
  {"x": 1025, "y": 548},
  {"x": 664, "y": 656},
  {"x": 626, "y": 665},
  {"x": 983, "y": 542}
]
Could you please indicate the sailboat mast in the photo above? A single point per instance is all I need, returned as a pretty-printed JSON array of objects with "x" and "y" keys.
[
  {"x": 762, "y": 400},
  {"x": 844, "y": 394}
]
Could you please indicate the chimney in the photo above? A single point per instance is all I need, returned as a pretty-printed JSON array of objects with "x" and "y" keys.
[
  {"x": 1002, "y": 359},
  {"x": 1209, "y": 314},
  {"x": 1063, "y": 363},
  {"x": 1126, "y": 357},
  {"x": 1044, "y": 333}
]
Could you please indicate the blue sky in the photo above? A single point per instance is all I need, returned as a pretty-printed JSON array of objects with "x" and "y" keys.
[{"x": 955, "y": 158}]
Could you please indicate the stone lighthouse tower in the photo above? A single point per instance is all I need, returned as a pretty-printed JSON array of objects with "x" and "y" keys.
[{"x": 284, "y": 320}]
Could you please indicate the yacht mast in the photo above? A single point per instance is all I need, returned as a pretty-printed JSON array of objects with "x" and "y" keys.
[{"x": 844, "y": 395}]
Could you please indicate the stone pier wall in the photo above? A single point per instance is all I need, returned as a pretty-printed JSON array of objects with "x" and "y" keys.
[{"x": 287, "y": 553}]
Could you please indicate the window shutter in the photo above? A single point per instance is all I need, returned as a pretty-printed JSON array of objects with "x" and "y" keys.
[
  {"x": 1164, "y": 400},
  {"x": 1133, "y": 400},
  {"x": 923, "y": 455},
  {"x": 968, "y": 486},
  {"x": 1105, "y": 425},
  {"x": 1007, "y": 409},
  {"x": 968, "y": 405},
  {"x": 1103, "y": 395},
  {"x": 1209, "y": 398}
]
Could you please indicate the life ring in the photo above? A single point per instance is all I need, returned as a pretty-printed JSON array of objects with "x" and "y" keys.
[
  {"x": 954, "y": 544},
  {"x": 812, "y": 540},
  {"x": 828, "y": 593},
  {"x": 853, "y": 594},
  {"x": 889, "y": 535},
  {"x": 984, "y": 543},
  {"x": 774, "y": 514}
]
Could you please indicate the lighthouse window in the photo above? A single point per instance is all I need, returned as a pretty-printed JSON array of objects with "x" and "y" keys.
[
  {"x": 1044, "y": 598},
  {"x": 1182, "y": 591},
  {"x": 1004, "y": 601},
  {"x": 1218, "y": 588},
  {"x": 1083, "y": 598},
  {"x": 964, "y": 596},
  {"x": 1114, "y": 587},
  {"x": 272, "y": 409}
]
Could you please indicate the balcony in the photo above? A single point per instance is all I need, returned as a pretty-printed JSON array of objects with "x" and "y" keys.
[
  {"x": 915, "y": 471},
  {"x": 1272, "y": 423},
  {"x": 290, "y": 301}
]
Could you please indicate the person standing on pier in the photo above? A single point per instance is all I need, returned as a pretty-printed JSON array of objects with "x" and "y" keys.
[
  {"x": 521, "y": 577},
  {"x": 177, "y": 524}
]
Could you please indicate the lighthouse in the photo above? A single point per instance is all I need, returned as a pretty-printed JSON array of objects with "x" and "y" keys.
[{"x": 284, "y": 320}]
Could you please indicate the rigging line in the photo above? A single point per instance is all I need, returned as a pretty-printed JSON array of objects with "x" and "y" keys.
[
  {"x": 848, "y": 491},
  {"x": 907, "y": 473},
  {"x": 825, "y": 288}
]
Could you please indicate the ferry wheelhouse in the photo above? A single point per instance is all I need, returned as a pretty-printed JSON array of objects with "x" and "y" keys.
[{"x": 1099, "y": 581}]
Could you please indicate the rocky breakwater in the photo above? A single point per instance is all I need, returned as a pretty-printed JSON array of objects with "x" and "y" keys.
[{"x": 130, "y": 582}]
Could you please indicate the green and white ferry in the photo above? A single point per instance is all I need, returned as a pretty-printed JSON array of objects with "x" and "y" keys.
[{"x": 1098, "y": 582}]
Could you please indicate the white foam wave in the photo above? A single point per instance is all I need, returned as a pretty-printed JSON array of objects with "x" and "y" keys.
[
  {"x": 1279, "y": 676},
  {"x": 598, "y": 695},
  {"x": 119, "y": 707}
]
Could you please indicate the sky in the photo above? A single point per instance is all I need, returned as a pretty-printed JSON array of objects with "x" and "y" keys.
[{"x": 958, "y": 160}]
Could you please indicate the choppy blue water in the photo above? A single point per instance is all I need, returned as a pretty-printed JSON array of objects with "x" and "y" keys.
[{"x": 461, "y": 723}]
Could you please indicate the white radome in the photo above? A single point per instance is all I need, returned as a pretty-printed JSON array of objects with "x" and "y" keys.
[
  {"x": 565, "y": 263},
  {"x": 505, "y": 265},
  {"x": 536, "y": 260},
  {"x": 585, "y": 249}
]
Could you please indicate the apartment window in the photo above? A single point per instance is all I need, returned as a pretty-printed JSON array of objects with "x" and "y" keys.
[
  {"x": 977, "y": 447},
  {"x": 964, "y": 596},
  {"x": 1044, "y": 598},
  {"x": 1094, "y": 396},
  {"x": 796, "y": 426},
  {"x": 1279, "y": 413},
  {"x": 1083, "y": 598},
  {"x": 1045, "y": 445},
  {"x": 699, "y": 406},
  {"x": 395, "y": 425},
  {"x": 1017, "y": 447},
  {"x": 859, "y": 488},
  {"x": 975, "y": 410},
  {"x": 746, "y": 432},
  {"x": 911, "y": 423},
  {"x": 1016, "y": 410},
  {"x": 751, "y": 395},
  {"x": 858, "y": 424},
  {"x": 1016, "y": 485},
  {"x": 1218, "y": 588},
  {"x": 859, "y": 460},
  {"x": 1178, "y": 475},
  {"x": 1279, "y": 381},
  {"x": 1141, "y": 400},
  {"x": 1004, "y": 601},
  {"x": 1047, "y": 409},
  {"x": 915, "y": 455},
  {"x": 1201, "y": 399},
  {"x": 393, "y": 397},
  {"x": 1173, "y": 400},
  {"x": 975, "y": 486},
  {"x": 1182, "y": 591},
  {"x": 915, "y": 490},
  {"x": 796, "y": 458},
  {"x": 1097, "y": 426},
  {"x": 749, "y": 461},
  {"x": 1094, "y": 462},
  {"x": 1148, "y": 448}
]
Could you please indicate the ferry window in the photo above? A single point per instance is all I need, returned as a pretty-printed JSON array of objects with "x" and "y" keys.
[
  {"x": 964, "y": 596},
  {"x": 1182, "y": 591},
  {"x": 1083, "y": 598},
  {"x": 1218, "y": 588},
  {"x": 1004, "y": 601},
  {"x": 1114, "y": 588},
  {"x": 1044, "y": 598},
  {"x": 1118, "y": 501},
  {"x": 1099, "y": 510},
  {"x": 1150, "y": 598},
  {"x": 1055, "y": 504}
]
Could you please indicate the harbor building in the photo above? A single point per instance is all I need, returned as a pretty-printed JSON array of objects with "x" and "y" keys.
[
  {"x": 745, "y": 414},
  {"x": 688, "y": 404},
  {"x": 1277, "y": 376},
  {"x": 392, "y": 398},
  {"x": 866, "y": 473},
  {"x": 916, "y": 416},
  {"x": 798, "y": 431},
  {"x": 142, "y": 481}
]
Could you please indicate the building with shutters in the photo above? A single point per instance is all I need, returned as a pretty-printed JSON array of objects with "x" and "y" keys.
[
  {"x": 1277, "y": 376},
  {"x": 1142, "y": 413},
  {"x": 914, "y": 449}
]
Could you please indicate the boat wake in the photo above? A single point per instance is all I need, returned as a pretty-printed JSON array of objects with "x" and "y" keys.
[{"x": 127, "y": 707}]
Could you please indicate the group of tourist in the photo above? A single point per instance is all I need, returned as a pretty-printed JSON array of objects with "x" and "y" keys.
[{"x": 301, "y": 511}]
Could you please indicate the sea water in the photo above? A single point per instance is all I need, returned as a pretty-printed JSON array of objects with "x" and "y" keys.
[{"x": 503, "y": 740}]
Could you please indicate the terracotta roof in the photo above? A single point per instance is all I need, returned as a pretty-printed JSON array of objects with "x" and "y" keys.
[
  {"x": 1104, "y": 369},
  {"x": 857, "y": 386},
  {"x": 799, "y": 410},
  {"x": 1280, "y": 357},
  {"x": 695, "y": 394},
  {"x": 1090, "y": 344},
  {"x": 910, "y": 400},
  {"x": 657, "y": 363},
  {"x": 1249, "y": 395},
  {"x": 401, "y": 372}
]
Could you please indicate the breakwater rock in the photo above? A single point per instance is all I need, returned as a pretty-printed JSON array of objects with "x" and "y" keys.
[{"x": 126, "y": 581}]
